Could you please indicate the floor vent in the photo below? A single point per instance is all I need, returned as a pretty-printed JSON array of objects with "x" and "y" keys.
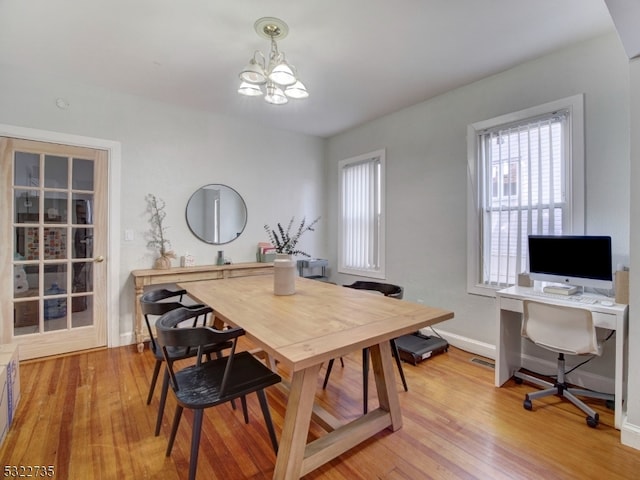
[{"x": 482, "y": 362}]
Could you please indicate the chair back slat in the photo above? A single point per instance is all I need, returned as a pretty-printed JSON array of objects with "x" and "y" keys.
[
  {"x": 158, "y": 308},
  {"x": 170, "y": 334},
  {"x": 153, "y": 302},
  {"x": 162, "y": 294},
  {"x": 227, "y": 370}
]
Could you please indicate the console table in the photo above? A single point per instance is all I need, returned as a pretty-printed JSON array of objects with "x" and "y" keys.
[
  {"x": 145, "y": 278},
  {"x": 508, "y": 353}
]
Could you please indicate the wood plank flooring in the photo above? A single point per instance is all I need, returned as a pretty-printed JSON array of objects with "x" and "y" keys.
[{"x": 86, "y": 416}]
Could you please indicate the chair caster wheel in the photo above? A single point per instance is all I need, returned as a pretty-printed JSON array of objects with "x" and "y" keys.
[
  {"x": 593, "y": 421},
  {"x": 527, "y": 404}
]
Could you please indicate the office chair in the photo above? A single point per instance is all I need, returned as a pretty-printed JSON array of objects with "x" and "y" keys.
[
  {"x": 210, "y": 383},
  {"x": 564, "y": 330},
  {"x": 388, "y": 290}
]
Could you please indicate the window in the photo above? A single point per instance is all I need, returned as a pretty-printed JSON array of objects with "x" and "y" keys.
[
  {"x": 361, "y": 227},
  {"x": 527, "y": 178}
]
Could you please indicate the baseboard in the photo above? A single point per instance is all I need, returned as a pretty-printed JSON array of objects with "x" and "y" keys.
[
  {"x": 630, "y": 434},
  {"x": 464, "y": 343},
  {"x": 579, "y": 377},
  {"x": 127, "y": 338}
]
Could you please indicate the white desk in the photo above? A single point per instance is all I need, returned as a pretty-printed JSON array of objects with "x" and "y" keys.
[{"x": 508, "y": 346}]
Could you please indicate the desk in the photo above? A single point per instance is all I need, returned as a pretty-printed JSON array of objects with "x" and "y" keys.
[
  {"x": 508, "y": 346},
  {"x": 154, "y": 276},
  {"x": 320, "y": 322}
]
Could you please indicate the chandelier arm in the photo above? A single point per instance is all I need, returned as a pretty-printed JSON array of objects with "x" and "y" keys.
[{"x": 264, "y": 61}]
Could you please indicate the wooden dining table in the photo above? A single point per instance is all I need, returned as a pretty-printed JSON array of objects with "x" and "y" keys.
[{"x": 319, "y": 322}]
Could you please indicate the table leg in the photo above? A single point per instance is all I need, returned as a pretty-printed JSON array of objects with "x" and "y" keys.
[
  {"x": 217, "y": 322},
  {"x": 296, "y": 424},
  {"x": 385, "y": 382},
  {"x": 296, "y": 457},
  {"x": 621, "y": 370},
  {"x": 509, "y": 345},
  {"x": 139, "y": 290}
]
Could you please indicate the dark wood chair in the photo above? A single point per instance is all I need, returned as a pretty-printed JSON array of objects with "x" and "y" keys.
[
  {"x": 156, "y": 303},
  {"x": 210, "y": 383},
  {"x": 388, "y": 290}
]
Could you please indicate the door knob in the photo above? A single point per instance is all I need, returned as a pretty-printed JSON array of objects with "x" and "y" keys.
[{"x": 99, "y": 259}]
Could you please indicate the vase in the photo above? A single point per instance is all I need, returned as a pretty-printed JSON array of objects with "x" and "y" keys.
[
  {"x": 284, "y": 274},
  {"x": 162, "y": 263}
]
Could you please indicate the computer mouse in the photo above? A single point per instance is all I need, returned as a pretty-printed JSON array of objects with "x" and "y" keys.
[{"x": 606, "y": 303}]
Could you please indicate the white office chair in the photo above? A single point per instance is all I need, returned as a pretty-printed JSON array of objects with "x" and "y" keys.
[{"x": 562, "y": 330}]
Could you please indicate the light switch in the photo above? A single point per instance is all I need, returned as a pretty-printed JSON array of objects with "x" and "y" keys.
[{"x": 128, "y": 235}]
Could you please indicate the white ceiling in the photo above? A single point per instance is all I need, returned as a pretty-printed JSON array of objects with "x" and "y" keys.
[{"x": 359, "y": 59}]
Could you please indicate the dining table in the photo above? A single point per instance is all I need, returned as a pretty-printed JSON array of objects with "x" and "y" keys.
[{"x": 319, "y": 322}]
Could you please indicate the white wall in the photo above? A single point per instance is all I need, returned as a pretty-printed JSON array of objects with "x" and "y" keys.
[
  {"x": 170, "y": 151},
  {"x": 631, "y": 429},
  {"x": 427, "y": 178}
]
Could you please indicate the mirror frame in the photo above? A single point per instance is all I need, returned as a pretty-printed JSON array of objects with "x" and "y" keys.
[{"x": 201, "y": 235}]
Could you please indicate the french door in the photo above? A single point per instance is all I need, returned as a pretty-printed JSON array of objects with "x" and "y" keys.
[{"x": 53, "y": 227}]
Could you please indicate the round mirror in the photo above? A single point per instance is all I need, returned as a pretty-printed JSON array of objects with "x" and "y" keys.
[{"x": 216, "y": 214}]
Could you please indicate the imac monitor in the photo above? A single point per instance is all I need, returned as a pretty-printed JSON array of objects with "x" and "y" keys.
[{"x": 582, "y": 261}]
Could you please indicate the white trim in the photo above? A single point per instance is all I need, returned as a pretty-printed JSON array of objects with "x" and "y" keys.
[
  {"x": 127, "y": 338},
  {"x": 575, "y": 197},
  {"x": 630, "y": 434},
  {"x": 579, "y": 377},
  {"x": 113, "y": 149},
  {"x": 464, "y": 343},
  {"x": 378, "y": 274}
]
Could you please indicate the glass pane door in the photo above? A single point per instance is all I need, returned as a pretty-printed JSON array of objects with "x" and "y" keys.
[
  {"x": 54, "y": 203},
  {"x": 53, "y": 254}
]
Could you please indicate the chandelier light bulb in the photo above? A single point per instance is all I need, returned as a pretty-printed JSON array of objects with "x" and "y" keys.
[
  {"x": 282, "y": 74},
  {"x": 253, "y": 73},
  {"x": 275, "y": 95},
  {"x": 297, "y": 91},
  {"x": 250, "y": 89}
]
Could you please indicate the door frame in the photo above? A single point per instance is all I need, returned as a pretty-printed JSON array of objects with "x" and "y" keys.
[{"x": 113, "y": 149}]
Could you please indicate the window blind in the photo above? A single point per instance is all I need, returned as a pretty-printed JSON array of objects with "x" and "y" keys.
[
  {"x": 360, "y": 215},
  {"x": 524, "y": 192}
]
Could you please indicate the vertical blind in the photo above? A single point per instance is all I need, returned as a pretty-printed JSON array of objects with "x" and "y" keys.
[
  {"x": 360, "y": 215},
  {"x": 524, "y": 192}
]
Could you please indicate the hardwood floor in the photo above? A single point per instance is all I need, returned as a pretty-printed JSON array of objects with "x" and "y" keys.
[{"x": 86, "y": 416}]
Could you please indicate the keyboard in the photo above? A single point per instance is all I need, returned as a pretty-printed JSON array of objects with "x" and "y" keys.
[{"x": 577, "y": 298}]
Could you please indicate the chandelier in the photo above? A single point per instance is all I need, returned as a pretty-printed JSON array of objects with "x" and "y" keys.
[{"x": 276, "y": 79}]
